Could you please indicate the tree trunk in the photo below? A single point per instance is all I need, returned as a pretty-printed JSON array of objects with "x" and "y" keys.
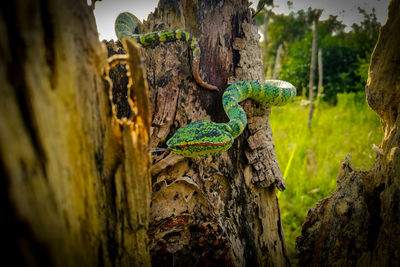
[
  {"x": 267, "y": 16},
  {"x": 312, "y": 69},
  {"x": 277, "y": 57},
  {"x": 359, "y": 224},
  {"x": 76, "y": 186},
  {"x": 220, "y": 209},
  {"x": 320, "y": 75}
]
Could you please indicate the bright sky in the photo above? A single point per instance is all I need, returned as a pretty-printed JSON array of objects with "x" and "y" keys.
[{"x": 107, "y": 10}]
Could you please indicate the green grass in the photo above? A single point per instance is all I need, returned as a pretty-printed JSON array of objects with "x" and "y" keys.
[{"x": 310, "y": 160}]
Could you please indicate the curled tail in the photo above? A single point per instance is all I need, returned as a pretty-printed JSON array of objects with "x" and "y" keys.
[{"x": 128, "y": 26}]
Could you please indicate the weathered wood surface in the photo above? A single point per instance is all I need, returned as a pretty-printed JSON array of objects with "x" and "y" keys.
[
  {"x": 75, "y": 186},
  {"x": 221, "y": 209},
  {"x": 359, "y": 224}
]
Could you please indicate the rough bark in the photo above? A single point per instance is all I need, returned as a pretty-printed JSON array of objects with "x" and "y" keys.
[
  {"x": 75, "y": 186},
  {"x": 221, "y": 209},
  {"x": 359, "y": 224}
]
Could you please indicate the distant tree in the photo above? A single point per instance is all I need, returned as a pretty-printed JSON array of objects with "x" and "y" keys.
[
  {"x": 346, "y": 54},
  {"x": 261, "y": 4},
  {"x": 320, "y": 74},
  {"x": 263, "y": 15},
  {"x": 314, "y": 15},
  {"x": 276, "y": 64},
  {"x": 285, "y": 30}
]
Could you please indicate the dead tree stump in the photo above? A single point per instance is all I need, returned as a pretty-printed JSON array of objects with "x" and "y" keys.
[
  {"x": 75, "y": 184},
  {"x": 219, "y": 209}
]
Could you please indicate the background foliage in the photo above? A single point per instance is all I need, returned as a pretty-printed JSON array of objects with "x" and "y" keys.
[
  {"x": 345, "y": 55},
  {"x": 343, "y": 123},
  {"x": 310, "y": 160}
]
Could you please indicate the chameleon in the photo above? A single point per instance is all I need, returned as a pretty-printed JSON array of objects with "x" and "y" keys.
[
  {"x": 203, "y": 138},
  {"x": 127, "y": 25}
]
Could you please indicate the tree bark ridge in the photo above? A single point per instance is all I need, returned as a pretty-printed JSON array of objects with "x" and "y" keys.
[{"x": 66, "y": 166}]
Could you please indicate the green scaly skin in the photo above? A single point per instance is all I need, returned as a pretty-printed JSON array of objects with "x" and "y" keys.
[
  {"x": 127, "y": 24},
  {"x": 203, "y": 138}
]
